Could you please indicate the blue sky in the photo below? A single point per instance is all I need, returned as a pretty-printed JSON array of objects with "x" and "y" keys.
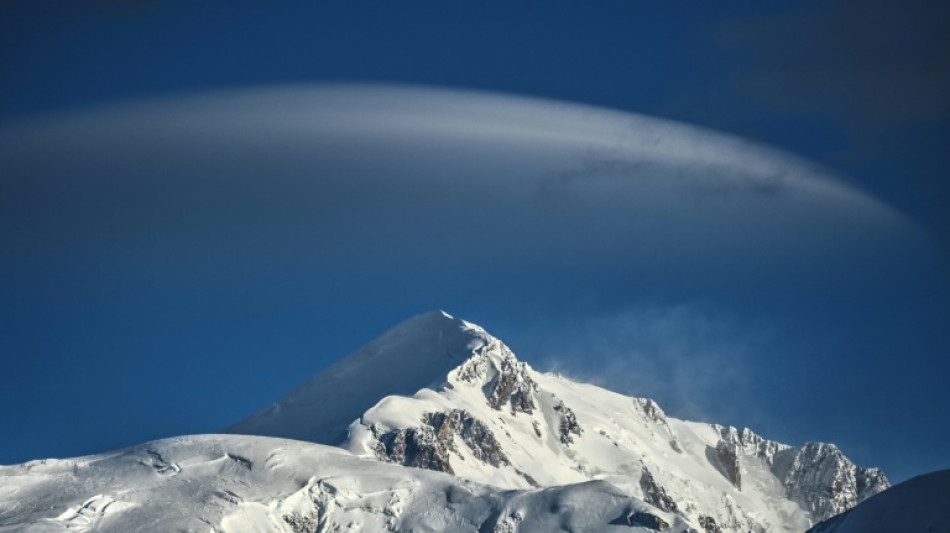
[{"x": 158, "y": 307}]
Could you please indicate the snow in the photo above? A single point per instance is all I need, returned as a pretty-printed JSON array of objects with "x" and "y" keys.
[
  {"x": 619, "y": 439},
  {"x": 518, "y": 450},
  {"x": 242, "y": 484},
  {"x": 400, "y": 362}
]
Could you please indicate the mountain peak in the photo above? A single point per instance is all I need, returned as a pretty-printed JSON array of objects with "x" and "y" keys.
[{"x": 415, "y": 354}]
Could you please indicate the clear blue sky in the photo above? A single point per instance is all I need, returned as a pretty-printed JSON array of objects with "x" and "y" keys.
[{"x": 103, "y": 349}]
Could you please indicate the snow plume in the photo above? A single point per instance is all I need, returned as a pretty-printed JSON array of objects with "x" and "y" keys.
[{"x": 688, "y": 357}]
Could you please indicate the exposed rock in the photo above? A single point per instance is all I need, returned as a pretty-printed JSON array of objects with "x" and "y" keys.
[
  {"x": 654, "y": 494},
  {"x": 641, "y": 519},
  {"x": 729, "y": 461},
  {"x": 816, "y": 476},
  {"x": 418, "y": 447},
  {"x": 568, "y": 425},
  {"x": 651, "y": 410},
  {"x": 749, "y": 443},
  {"x": 504, "y": 379},
  {"x": 709, "y": 524},
  {"x": 870, "y": 481},
  {"x": 823, "y": 481},
  {"x": 475, "y": 434},
  {"x": 430, "y": 445},
  {"x": 299, "y": 523},
  {"x": 653, "y": 413}
]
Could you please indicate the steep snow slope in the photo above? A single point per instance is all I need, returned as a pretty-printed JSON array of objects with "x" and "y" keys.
[
  {"x": 243, "y": 484},
  {"x": 917, "y": 505},
  {"x": 479, "y": 413},
  {"x": 401, "y": 361}
]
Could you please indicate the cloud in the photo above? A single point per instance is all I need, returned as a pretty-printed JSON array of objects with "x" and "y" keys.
[{"x": 375, "y": 177}]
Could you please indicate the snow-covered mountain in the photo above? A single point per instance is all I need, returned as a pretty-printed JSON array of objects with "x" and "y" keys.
[
  {"x": 437, "y": 426},
  {"x": 245, "y": 484},
  {"x": 914, "y": 505},
  {"x": 465, "y": 405}
]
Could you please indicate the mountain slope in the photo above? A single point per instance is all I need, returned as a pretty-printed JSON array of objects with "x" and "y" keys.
[
  {"x": 491, "y": 418},
  {"x": 244, "y": 484},
  {"x": 914, "y": 505},
  {"x": 401, "y": 361}
]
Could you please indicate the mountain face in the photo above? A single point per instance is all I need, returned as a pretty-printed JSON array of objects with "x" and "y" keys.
[
  {"x": 479, "y": 413},
  {"x": 437, "y": 426},
  {"x": 914, "y": 505}
]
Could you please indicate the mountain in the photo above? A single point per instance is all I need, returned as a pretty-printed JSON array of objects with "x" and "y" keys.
[
  {"x": 418, "y": 353},
  {"x": 914, "y": 505},
  {"x": 467, "y": 406},
  {"x": 437, "y": 426},
  {"x": 244, "y": 484}
]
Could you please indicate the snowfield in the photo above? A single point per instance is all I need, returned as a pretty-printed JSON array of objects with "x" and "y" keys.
[
  {"x": 437, "y": 426},
  {"x": 243, "y": 484}
]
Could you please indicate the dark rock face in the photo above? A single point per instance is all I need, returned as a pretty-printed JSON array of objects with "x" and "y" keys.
[
  {"x": 512, "y": 386},
  {"x": 505, "y": 380},
  {"x": 656, "y": 495},
  {"x": 729, "y": 460},
  {"x": 709, "y": 524},
  {"x": 418, "y": 447},
  {"x": 475, "y": 434},
  {"x": 430, "y": 446},
  {"x": 641, "y": 519},
  {"x": 568, "y": 425}
]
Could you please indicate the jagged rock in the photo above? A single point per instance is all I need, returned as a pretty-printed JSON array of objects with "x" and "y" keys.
[
  {"x": 568, "y": 425},
  {"x": 475, "y": 434},
  {"x": 870, "y": 481},
  {"x": 418, "y": 447},
  {"x": 651, "y": 409},
  {"x": 823, "y": 481},
  {"x": 749, "y": 443},
  {"x": 641, "y": 519},
  {"x": 816, "y": 476},
  {"x": 654, "y": 494},
  {"x": 506, "y": 381},
  {"x": 709, "y": 524},
  {"x": 430, "y": 445},
  {"x": 729, "y": 460}
]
